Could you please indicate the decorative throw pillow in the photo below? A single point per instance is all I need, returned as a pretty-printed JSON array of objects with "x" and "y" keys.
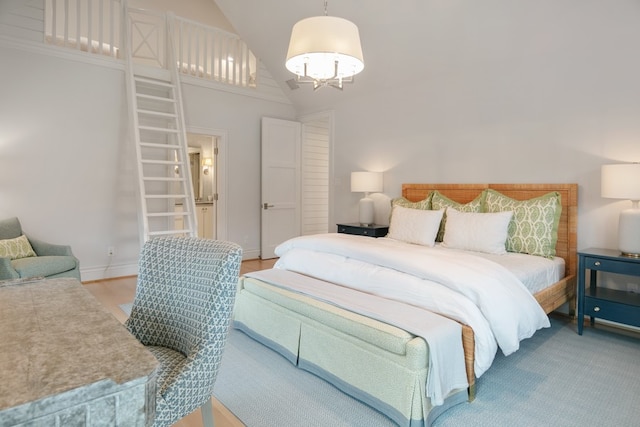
[
  {"x": 16, "y": 248},
  {"x": 480, "y": 232},
  {"x": 415, "y": 225},
  {"x": 534, "y": 226},
  {"x": 438, "y": 201},
  {"x": 424, "y": 204}
]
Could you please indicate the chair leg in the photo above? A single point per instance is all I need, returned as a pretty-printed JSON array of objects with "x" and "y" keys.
[{"x": 207, "y": 413}]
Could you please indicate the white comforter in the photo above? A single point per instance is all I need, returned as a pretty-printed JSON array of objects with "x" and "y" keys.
[{"x": 464, "y": 287}]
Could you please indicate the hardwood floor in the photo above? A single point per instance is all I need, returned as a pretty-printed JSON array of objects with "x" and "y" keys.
[{"x": 113, "y": 292}]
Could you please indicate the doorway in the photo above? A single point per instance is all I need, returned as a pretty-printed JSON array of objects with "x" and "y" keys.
[{"x": 209, "y": 183}]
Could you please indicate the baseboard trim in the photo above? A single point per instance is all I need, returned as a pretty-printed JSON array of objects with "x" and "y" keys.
[{"x": 108, "y": 272}]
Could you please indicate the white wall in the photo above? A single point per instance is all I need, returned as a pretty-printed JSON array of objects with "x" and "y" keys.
[
  {"x": 67, "y": 168},
  {"x": 65, "y": 165},
  {"x": 543, "y": 97}
]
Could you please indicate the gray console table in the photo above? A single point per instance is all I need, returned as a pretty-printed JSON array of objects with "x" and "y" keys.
[{"x": 65, "y": 360}]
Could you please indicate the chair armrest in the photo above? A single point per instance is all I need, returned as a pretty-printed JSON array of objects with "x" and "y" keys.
[
  {"x": 43, "y": 248},
  {"x": 6, "y": 270}
]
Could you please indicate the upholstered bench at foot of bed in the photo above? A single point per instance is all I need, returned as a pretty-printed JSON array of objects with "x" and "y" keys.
[{"x": 379, "y": 364}]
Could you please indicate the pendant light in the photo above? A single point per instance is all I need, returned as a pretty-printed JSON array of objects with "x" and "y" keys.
[{"x": 325, "y": 51}]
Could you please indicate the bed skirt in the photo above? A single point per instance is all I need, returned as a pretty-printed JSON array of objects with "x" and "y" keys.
[{"x": 381, "y": 365}]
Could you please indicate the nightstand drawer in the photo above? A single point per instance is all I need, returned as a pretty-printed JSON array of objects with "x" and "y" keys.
[
  {"x": 612, "y": 266},
  {"x": 363, "y": 230},
  {"x": 614, "y": 311}
]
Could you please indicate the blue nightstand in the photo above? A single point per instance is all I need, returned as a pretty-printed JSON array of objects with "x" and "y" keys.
[{"x": 610, "y": 304}]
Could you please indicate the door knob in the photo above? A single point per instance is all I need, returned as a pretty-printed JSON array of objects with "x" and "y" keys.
[{"x": 266, "y": 206}]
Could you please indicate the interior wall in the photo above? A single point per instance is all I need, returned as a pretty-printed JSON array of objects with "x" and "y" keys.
[
  {"x": 67, "y": 167},
  {"x": 544, "y": 98}
]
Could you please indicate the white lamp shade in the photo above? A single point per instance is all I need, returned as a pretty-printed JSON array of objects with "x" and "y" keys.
[
  {"x": 321, "y": 40},
  {"x": 366, "y": 182},
  {"x": 621, "y": 181}
]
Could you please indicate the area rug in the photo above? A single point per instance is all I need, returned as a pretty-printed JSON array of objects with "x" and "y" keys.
[{"x": 557, "y": 378}]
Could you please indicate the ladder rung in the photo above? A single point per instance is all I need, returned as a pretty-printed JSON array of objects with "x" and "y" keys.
[
  {"x": 156, "y": 113},
  {"x": 162, "y": 178},
  {"x": 166, "y": 196},
  {"x": 161, "y": 162},
  {"x": 153, "y": 81},
  {"x": 158, "y": 145},
  {"x": 156, "y": 129},
  {"x": 165, "y": 214},
  {"x": 167, "y": 232},
  {"x": 155, "y": 98}
]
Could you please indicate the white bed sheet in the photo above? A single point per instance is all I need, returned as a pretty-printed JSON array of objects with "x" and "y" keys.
[{"x": 535, "y": 272}]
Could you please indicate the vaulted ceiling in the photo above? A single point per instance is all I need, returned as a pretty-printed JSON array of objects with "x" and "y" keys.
[
  {"x": 468, "y": 46},
  {"x": 401, "y": 40}
]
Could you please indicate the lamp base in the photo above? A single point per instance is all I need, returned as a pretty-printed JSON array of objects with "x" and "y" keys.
[
  {"x": 628, "y": 255},
  {"x": 629, "y": 232},
  {"x": 366, "y": 208}
]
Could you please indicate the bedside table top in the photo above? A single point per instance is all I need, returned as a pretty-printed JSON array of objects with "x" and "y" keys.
[
  {"x": 607, "y": 253},
  {"x": 357, "y": 224}
]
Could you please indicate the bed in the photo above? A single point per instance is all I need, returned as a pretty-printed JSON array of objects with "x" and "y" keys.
[{"x": 345, "y": 334}]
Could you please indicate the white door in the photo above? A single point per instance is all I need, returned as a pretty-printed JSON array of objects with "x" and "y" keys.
[{"x": 280, "y": 183}]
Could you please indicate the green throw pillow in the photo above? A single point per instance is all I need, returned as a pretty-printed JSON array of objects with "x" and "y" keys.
[
  {"x": 424, "y": 204},
  {"x": 534, "y": 226},
  {"x": 438, "y": 201},
  {"x": 16, "y": 248}
]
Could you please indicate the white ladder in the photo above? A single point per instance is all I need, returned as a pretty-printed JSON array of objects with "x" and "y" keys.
[{"x": 165, "y": 191}]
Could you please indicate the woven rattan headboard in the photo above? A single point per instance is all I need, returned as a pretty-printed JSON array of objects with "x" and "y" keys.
[{"x": 566, "y": 247}]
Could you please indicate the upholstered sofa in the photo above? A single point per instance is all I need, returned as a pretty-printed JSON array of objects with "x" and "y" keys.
[{"x": 44, "y": 260}]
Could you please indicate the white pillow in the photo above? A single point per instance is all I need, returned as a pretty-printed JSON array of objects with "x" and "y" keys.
[
  {"x": 480, "y": 232},
  {"x": 415, "y": 225}
]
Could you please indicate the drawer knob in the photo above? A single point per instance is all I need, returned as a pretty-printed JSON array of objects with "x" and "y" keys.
[
  {"x": 596, "y": 309},
  {"x": 597, "y": 263}
]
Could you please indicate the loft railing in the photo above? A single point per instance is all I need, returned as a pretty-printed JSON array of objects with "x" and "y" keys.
[
  {"x": 96, "y": 27},
  {"x": 92, "y": 26},
  {"x": 214, "y": 54}
]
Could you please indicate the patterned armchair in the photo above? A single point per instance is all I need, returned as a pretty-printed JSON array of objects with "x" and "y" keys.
[{"x": 181, "y": 312}]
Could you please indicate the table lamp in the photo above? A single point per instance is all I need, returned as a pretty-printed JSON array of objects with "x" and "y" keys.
[
  {"x": 366, "y": 182},
  {"x": 622, "y": 181}
]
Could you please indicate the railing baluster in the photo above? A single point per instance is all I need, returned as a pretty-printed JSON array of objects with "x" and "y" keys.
[
  {"x": 65, "y": 24},
  {"x": 218, "y": 56},
  {"x": 100, "y": 25},
  {"x": 205, "y": 53},
  {"x": 89, "y": 25},
  {"x": 54, "y": 17},
  {"x": 78, "y": 20}
]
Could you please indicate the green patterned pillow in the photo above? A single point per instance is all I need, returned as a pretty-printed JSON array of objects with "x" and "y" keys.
[
  {"x": 16, "y": 248},
  {"x": 438, "y": 201},
  {"x": 424, "y": 204},
  {"x": 534, "y": 226}
]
